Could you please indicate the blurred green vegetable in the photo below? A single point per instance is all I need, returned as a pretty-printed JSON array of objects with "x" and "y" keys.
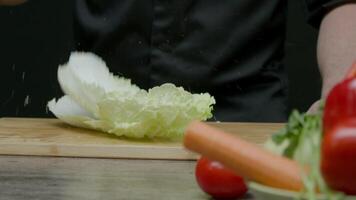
[{"x": 300, "y": 140}]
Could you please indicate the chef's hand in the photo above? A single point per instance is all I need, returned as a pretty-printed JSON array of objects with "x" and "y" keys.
[
  {"x": 11, "y": 2},
  {"x": 314, "y": 107}
]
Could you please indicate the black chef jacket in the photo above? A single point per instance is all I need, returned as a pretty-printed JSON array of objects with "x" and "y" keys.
[{"x": 232, "y": 49}]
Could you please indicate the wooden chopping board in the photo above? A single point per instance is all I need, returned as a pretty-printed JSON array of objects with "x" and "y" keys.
[{"x": 51, "y": 137}]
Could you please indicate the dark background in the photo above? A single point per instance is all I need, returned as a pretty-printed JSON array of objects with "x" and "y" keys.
[{"x": 37, "y": 36}]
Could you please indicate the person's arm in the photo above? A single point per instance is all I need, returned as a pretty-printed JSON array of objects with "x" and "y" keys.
[
  {"x": 336, "y": 48},
  {"x": 11, "y": 2}
]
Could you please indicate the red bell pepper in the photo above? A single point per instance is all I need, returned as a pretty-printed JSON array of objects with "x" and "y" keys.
[
  {"x": 338, "y": 153},
  {"x": 341, "y": 101}
]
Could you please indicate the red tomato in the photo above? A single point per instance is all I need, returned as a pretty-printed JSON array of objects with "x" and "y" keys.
[
  {"x": 338, "y": 163},
  {"x": 214, "y": 179}
]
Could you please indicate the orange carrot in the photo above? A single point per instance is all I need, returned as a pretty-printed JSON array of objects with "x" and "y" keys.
[{"x": 246, "y": 159}]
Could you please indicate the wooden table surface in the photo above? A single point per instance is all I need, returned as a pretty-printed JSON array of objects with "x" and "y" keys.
[
  {"x": 60, "y": 178},
  {"x": 53, "y": 178}
]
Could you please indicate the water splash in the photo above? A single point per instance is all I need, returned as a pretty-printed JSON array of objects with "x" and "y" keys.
[
  {"x": 27, "y": 101},
  {"x": 239, "y": 88}
]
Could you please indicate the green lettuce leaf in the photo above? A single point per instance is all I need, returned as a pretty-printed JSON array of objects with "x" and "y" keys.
[{"x": 300, "y": 140}]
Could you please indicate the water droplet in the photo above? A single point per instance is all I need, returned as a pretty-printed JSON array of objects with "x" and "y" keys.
[
  {"x": 27, "y": 101},
  {"x": 239, "y": 87},
  {"x": 23, "y": 76}
]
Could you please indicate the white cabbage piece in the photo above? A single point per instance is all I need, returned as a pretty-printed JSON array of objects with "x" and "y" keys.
[
  {"x": 97, "y": 99},
  {"x": 70, "y": 112}
]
